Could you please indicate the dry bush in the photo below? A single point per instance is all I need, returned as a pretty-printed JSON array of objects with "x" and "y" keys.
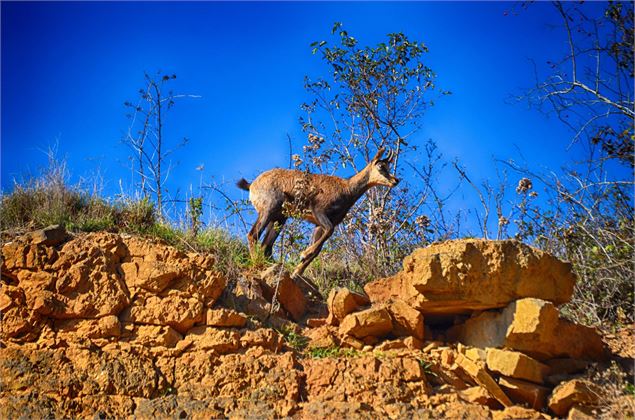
[
  {"x": 617, "y": 399},
  {"x": 589, "y": 221},
  {"x": 48, "y": 199}
]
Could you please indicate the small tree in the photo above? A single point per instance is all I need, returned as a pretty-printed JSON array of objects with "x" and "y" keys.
[
  {"x": 146, "y": 136},
  {"x": 372, "y": 97}
]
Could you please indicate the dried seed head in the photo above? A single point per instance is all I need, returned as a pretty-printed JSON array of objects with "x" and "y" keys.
[{"x": 524, "y": 185}]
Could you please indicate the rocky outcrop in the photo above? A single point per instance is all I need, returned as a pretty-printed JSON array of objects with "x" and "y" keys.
[
  {"x": 573, "y": 392},
  {"x": 278, "y": 285},
  {"x": 512, "y": 349},
  {"x": 342, "y": 302},
  {"x": 516, "y": 365},
  {"x": 532, "y": 326},
  {"x": 102, "y": 275},
  {"x": 462, "y": 276},
  {"x": 373, "y": 322},
  {"x": 523, "y": 392},
  {"x": 111, "y": 325},
  {"x": 362, "y": 379}
]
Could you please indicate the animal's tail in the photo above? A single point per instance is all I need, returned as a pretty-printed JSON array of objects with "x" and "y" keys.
[{"x": 243, "y": 184}]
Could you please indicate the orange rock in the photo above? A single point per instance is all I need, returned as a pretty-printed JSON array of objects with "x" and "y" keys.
[
  {"x": 154, "y": 266},
  {"x": 204, "y": 283},
  {"x": 413, "y": 343},
  {"x": 410, "y": 368},
  {"x": 516, "y": 412},
  {"x": 49, "y": 236},
  {"x": 316, "y": 322},
  {"x": 288, "y": 294},
  {"x": 370, "y": 322},
  {"x": 155, "y": 335},
  {"x": 75, "y": 277},
  {"x": 335, "y": 410},
  {"x": 531, "y": 326},
  {"x": 406, "y": 320},
  {"x": 104, "y": 327},
  {"x": 242, "y": 384},
  {"x": 479, "y": 395},
  {"x": 21, "y": 254},
  {"x": 218, "y": 340},
  {"x": 431, "y": 346},
  {"x": 574, "y": 392},
  {"x": 109, "y": 326},
  {"x": 352, "y": 342},
  {"x": 177, "y": 310},
  {"x": 457, "y": 410},
  {"x": 249, "y": 298},
  {"x": 18, "y": 322},
  {"x": 33, "y": 281},
  {"x": 321, "y": 337},
  {"x": 58, "y": 306},
  {"x": 11, "y": 296},
  {"x": 153, "y": 276},
  {"x": 480, "y": 375},
  {"x": 362, "y": 379},
  {"x": 525, "y": 392},
  {"x": 262, "y": 337},
  {"x": 82, "y": 280},
  {"x": 222, "y": 317},
  {"x": 410, "y": 343},
  {"x": 5, "y": 301},
  {"x": 391, "y": 345},
  {"x": 476, "y": 355},
  {"x": 342, "y": 302},
  {"x": 516, "y": 365},
  {"x": 578, "y": 412},
  {"x": 471, "y": 274},
  {"x": 370, "y": 340},
  {"x": 448, "y": 356}
]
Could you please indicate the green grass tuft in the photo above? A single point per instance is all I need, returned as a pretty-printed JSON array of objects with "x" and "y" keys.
[{"x": 324, "y": 352}]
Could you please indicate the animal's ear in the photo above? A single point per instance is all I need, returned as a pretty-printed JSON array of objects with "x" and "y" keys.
[{"x": 379, "y": 154}]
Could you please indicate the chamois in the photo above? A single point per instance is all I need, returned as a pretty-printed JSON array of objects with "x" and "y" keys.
[{"x": 324, "y": 201}]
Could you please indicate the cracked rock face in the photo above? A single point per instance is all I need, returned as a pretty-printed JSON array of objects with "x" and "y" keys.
[
  {"x": 532, "y": 326},
  {"x": 116, "y": 326},
  {"x": 103, "y": 275},
  {"x": 458, "y": 277}
]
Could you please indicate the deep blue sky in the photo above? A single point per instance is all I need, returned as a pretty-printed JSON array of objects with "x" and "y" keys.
[{"x": 67, "y": 68}]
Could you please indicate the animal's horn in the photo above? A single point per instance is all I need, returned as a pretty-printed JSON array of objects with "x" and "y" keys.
[
  {"x": 391, "y": 155},
  {"x": 380, "y": 152}
]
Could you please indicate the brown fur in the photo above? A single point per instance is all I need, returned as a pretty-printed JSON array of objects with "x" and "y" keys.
[{"x": 324, "y": 201}]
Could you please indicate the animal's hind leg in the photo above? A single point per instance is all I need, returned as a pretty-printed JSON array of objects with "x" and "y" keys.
[
  {"x": 256, "y": 231},
  {"x": 253, "y": 235},
  {"x": 273, "y": 230}
]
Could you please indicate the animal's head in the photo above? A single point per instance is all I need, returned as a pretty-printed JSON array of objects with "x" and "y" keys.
[{"x": 380, "y": 170}]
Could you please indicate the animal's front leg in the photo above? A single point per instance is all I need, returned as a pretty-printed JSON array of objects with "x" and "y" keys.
[
  {"x": 306, "y": 260},
  {"x": 320, "y": 235},
  {"x": 307, "y": 257}
]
